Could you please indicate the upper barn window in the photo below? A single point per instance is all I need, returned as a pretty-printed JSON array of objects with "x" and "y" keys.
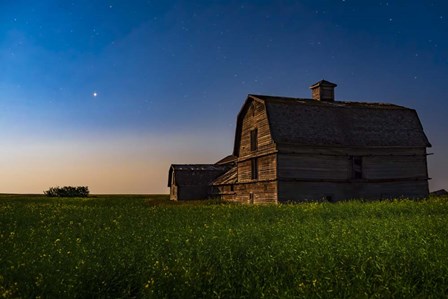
[
  {"x": 356, "y": 167},
  {"x": 253, "y": 140}
]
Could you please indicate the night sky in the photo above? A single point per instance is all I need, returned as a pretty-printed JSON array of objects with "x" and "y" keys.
[{"x": 109, "y": 93}]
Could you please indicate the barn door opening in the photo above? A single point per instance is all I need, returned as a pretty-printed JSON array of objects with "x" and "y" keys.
[{"x": 251, "y": 198}]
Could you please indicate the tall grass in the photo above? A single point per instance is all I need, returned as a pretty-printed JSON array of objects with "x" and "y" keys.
[{"x": 136, "y": 246}]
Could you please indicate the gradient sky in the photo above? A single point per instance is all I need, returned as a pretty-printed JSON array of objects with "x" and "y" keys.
[{"x": 109, "y": 93}]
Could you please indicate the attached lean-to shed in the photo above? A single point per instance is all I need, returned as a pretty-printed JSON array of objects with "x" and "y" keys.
[
  {"x": 224, "y": 185},
  {"x": 193, "y": 181}
]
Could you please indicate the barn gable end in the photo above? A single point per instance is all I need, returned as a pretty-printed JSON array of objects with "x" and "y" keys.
[{"x": 253, "y": 116}]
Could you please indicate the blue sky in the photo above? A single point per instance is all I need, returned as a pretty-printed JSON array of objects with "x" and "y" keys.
[{"x": 171, "y": 76}]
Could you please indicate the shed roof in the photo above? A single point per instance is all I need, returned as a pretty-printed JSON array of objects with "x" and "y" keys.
[
  {"x": 195, "y": 174},
  {"x": 348, "y": 124},
  {"x": 228, "y": 178}
]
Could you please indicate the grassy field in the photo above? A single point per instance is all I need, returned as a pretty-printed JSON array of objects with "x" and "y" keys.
[{"x": 144, "y": 246}]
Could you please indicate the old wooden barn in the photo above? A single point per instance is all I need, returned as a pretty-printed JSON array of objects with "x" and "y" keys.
[{"x": 295, "y": 149}]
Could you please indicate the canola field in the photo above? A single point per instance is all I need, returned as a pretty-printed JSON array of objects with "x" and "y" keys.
[{"x": 147, "y": 247}]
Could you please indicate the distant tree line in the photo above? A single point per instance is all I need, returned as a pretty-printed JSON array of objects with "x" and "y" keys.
[{"x": 68, "y": 191}]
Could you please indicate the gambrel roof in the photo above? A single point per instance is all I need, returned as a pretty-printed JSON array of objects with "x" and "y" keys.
[{"x": 346, "y": 124}]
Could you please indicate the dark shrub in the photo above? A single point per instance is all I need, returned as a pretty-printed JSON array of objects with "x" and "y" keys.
[{"x": 67, "y": 191}]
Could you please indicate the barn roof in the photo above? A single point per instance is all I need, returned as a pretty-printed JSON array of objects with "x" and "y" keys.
[
  {"x": 195, "y": 174},
  {"x": 228, "y": 178},
  {"x": 346, "y": 124}
]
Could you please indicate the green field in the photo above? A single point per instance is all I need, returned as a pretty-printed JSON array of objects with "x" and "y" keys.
[{"x": 145, "y": 246}]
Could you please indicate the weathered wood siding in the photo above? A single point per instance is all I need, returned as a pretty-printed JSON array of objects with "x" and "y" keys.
[
  {"x": 339, "y": 167},
  {"x": 290, "y": 191},
  {"x": 265, "y": 187},
  {"x": 313, "y": 167},
  {"x": 335, "y": 163},
  {"x": 194, "y": 192},
  {"x": 386, "y": 167},
  {"x": 244, "y": 171},
  {"x": 224, "y": 192},
  {"x": 255, "y": 118},
  {"x": 307, "y": 173},
  {"x": 267, "y": 169},
  {"x": 173, "y": 187},
  {"x": 344, "y": 151},
  {"x": 173, "y": 192},
  {"x": 262, "y": 192}
]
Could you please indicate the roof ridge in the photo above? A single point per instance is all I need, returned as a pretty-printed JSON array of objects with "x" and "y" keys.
[{"x": 335, "y": 104}]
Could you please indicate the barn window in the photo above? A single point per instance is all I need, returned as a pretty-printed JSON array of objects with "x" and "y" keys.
[
  {"x": 253, "y": 139},
  {"x": 356, "y": 167},
  {"x": 254, "y": 169}
]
